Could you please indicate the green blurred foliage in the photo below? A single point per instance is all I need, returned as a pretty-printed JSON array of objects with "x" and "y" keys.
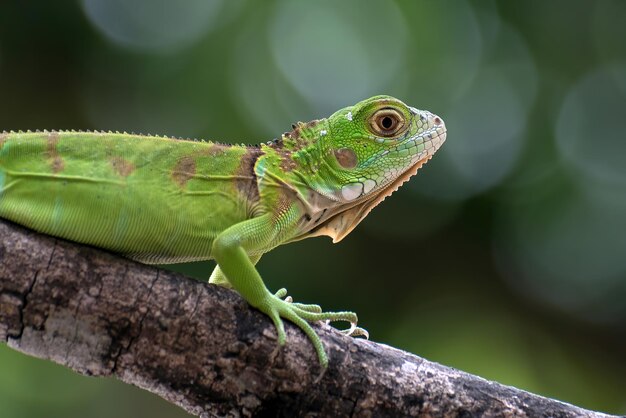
[{"x": 505, "y": 255}]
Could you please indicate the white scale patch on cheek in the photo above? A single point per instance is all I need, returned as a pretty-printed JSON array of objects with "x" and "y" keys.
[
  {"x": 351, "y": 191},
  {"x": 368, "y": 185},
  {"x": 323, "y": 132},
  {"x": 349, "y": 116}
]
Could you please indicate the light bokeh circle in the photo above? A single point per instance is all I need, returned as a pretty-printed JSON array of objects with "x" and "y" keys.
[{"x": 152, "y": 25}]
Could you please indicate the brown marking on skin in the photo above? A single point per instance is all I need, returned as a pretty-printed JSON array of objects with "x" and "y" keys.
[
  {"x": 299, "y": 143},
  {"x": 284, "y": 153},
  {"x": 245, "y": 176},
  {"x": 287, "y": 163},
  {"x": 184, "y": 170},
  {"x": 217, "y": 149},
  {"x": 295, "y": 130},
  {"x": 295, "y": 137},
  {"x": 295, "y": 133},
  {"x": 292, "y": 142},
  {"x": 56, "y": 162},
  {"x": 346, "y": 158},
  {"x": 121, "y": 166}
]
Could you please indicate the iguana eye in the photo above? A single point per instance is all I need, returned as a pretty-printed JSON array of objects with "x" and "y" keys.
[{"x": 386, "y": 122}]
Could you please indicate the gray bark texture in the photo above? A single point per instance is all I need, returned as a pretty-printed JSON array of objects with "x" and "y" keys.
[{"x": 203, "y": 348}]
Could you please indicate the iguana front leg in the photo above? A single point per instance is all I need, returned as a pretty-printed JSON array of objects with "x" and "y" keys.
[
  {"x": 231, "y": 249},
  {"x": 218, "y": 277}
]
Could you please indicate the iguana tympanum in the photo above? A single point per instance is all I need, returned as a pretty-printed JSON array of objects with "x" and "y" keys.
[{"x": 163, "y": 200}]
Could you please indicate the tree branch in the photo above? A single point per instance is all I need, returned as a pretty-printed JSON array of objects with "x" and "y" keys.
[{"x": 203, "y": 348}]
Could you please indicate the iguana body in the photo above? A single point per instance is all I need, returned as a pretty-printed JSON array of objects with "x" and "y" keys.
[{"x": 162, "y": 200}]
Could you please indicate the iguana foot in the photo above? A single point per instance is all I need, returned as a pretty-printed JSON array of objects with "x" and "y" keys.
[
  {"x": 301, "y": 314},
  {"x": 353, "y": 331}
]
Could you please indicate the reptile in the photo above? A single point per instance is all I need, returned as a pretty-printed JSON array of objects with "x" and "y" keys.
[{"x": 161, "y": 200}]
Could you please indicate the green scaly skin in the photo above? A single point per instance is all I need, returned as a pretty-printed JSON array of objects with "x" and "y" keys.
[{"x": 162, "y": 200}]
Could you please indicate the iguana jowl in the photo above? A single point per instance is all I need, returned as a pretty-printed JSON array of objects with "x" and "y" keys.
[{"x": 164, "y": 200}]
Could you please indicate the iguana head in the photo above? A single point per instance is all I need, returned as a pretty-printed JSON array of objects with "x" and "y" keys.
[
  {"x": 343, "y": 166},
  {"x": 367, "y": 151}
]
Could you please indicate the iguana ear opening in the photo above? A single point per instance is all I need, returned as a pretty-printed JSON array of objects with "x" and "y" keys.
[
  {"x": 340, "y": 225},
  {"x": 346, "y": 158}
]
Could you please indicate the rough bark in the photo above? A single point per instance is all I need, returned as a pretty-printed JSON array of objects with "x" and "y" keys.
[{"x": 203, "y": 348}]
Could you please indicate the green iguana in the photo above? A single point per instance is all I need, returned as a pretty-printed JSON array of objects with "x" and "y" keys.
[{"x": 163, "y": 200}]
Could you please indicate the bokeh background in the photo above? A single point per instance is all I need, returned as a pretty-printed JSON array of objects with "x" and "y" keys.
[{"x": 504, "y": 257}]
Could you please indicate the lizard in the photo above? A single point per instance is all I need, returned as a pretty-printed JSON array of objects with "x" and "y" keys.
[{"x": 161, "y": 200}]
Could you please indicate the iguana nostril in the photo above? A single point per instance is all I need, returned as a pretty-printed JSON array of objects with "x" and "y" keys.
[{"x": 437, "y": 120}]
